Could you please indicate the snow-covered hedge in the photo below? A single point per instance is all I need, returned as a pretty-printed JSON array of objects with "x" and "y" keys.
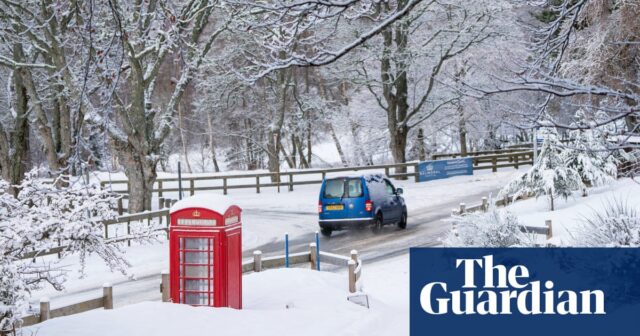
[
  {"x": 617, "y": 224},
  {"x": 494, "y": 228}
]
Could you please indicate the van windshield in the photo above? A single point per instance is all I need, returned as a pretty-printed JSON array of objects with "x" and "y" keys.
[{"x": 339, "y": 188}]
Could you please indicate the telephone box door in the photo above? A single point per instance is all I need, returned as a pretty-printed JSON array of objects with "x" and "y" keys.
[{"x": 195, "y": 262}]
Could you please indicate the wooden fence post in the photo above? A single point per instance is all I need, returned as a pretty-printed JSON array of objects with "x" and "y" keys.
[
  {"x": 107, "y": 294},
  {"x": 549, "y": 225},
  {"x": 290, "y": 182},
  {"x": 485, "y": 204},
  {"x": 494, "y": 164},
  {"x": 352, "y": 276},
  {"x": 354, "y": 255},
  {"x": 159, "y": 188},
  {"x": 224, "y": 185},
  {"x": 463, "y": 207},
  {"x": 192, "y": 187},
  {"x": 164, "y": 286},
  {"x": 45, "y": 309},
  {"x": 167, "y": 203},
  {"x": 257, "y": 261},
  {"x": 324, "y": 175},
  {"x": 128, "y": 232},
  {"x": 312, "y": 258},
  {"x": 120, "y": 208},
  {"x": 416, "y": 172},
  {"x": 515, "y": 158},
  {"x": 386, "y": 171},
  {"x": 257, "y": 184}
]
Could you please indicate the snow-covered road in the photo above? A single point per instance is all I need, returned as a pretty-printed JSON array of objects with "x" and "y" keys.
[{"x": 268, "y": 215}]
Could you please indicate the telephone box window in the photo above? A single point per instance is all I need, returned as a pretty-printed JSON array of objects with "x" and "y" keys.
[{"x": 196, "y": 271}]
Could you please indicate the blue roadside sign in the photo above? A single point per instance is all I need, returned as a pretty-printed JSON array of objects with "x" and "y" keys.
[{"x": 440, "y": 169}]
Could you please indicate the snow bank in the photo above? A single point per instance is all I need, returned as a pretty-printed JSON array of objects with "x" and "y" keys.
[
  {"x": 570, "y": 213},
  {"x": 276, "y": 302}
]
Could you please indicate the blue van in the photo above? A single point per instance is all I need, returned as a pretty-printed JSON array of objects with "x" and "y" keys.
[{"x": 355, "y": 201}]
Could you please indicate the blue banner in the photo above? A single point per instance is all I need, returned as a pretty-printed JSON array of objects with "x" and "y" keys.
[
  {"x": 524, "y": 291},
  {"x": 440, "y": 169}
]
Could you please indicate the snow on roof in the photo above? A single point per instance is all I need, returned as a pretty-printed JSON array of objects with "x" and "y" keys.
[{"x": 215, "y": 202}]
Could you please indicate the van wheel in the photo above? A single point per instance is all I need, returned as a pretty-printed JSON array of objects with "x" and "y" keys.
[
  {"x": 326, "y": 232},
  {"x": 403, "y": 221},
  {"x": 377, "y": 224}
]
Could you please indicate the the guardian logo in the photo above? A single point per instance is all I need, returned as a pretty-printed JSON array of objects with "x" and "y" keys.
[{"x": 506, "y": 291}]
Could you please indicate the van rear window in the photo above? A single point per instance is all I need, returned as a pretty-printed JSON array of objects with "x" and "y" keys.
[{"x": 338, "y": 188}]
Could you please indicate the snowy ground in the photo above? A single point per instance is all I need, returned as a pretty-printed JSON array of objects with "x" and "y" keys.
[
  {"x": 570, "y": 213},
  {"x": 266, "y": 217},
  {"x": 275, "y": 302}
]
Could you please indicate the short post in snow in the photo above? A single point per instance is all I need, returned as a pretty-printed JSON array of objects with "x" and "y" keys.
[
  {"x": 312, "y": 255},
  {"x": 485, "y": 204},
  {"x": 165, "y": 287},
  {"x": 352, "y": 276},
  {"x": 317, "y": 251},
  {"x": 549, "y": 226},
  {"x": 286, "y": 250},
  {"x": 107, "y": 294},
  {"x": 179, "y": 181},
  {"x": 257, "y": 261},
  {"x": 45, "y": 309},
  {"x": 462, "y": 208}
]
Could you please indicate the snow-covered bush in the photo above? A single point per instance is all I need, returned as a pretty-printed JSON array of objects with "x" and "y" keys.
[
  {"x": 550, "y": 175},
  {"x": 617, "y": 224},
  {"x": 494, "y": 228},
  {"x": 44, "y": 216}
]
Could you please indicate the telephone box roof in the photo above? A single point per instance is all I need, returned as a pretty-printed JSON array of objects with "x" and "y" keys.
[{"x": 215, "y": 202}]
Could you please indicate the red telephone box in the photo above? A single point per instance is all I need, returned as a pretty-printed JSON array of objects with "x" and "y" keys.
[{"x": 205, "y": 262}]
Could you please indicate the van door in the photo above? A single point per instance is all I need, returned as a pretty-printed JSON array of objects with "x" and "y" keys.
[
  {"x": 332, "y": 195},
  {"x": 355, "y": 198},
  {"x": 394, "y": 210}
]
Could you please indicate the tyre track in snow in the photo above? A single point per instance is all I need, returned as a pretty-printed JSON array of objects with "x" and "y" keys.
[{"x": 425, "y": 227}]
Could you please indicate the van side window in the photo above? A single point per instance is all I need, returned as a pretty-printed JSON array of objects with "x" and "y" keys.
[{"x": 389, "y": 187}]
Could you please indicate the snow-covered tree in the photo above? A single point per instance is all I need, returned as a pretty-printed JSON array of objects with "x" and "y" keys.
[
  {"x": 43, "y": 216},
  {"x": 550, "y": 175},
  {"x": 589, "y": 153},
  {"x": 494, "y": 228}
]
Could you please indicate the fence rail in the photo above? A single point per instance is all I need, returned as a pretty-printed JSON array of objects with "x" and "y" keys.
[
  {"x": 162, "y": 215},
  {"x": 105, "y": 301},
  {"x": 546, "y": 230},
  {"x": 512, "y": 158}
]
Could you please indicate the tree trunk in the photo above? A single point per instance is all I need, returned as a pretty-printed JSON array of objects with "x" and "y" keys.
[
  {"x": 141, "y": 173},
  {"x": 14, "y": 145},
  {"x": 422, "y": 152},
  {"x": 338, "y": 145},
  {"x": 212, "y": 145},
  {"x": 398, "y": 146},
  {"x": 462, "y": 128},
  {"x": 183, "y": 139}
]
